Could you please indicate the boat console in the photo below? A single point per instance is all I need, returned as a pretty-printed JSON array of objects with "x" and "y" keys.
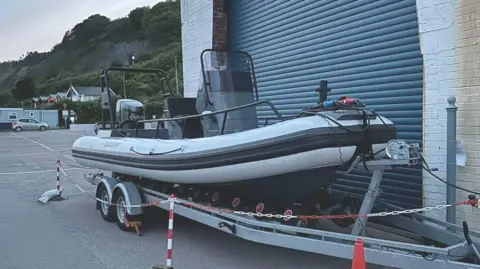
[{"x": 224, "y": 85}]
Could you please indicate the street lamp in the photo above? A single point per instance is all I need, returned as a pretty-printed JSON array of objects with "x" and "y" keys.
[{"x": 132, "y": 64}]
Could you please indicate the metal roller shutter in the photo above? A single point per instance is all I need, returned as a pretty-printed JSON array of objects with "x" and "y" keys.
[{"x": 366, "y": 49}]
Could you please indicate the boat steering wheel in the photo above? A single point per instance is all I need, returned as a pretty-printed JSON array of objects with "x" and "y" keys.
[{"x": 125, "y": 122}]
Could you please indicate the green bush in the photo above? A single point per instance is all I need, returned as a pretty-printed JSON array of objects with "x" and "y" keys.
[{"x": 88, "y": 112}]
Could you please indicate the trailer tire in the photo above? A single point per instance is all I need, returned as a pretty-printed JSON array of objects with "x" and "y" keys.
[
  {"x": 120, "y": 212},
  {"x": 107, "y": 211}
]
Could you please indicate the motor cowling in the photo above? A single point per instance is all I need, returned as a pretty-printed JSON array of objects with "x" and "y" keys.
[{"x": 129, "y": 112}]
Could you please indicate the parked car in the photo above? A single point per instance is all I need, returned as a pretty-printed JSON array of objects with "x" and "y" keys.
[{"x": 28, "y": 124}]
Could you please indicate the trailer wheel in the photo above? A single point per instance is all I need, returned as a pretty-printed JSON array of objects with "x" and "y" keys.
[
  {"x": 119, "y": 200},
  {"x": 106, "y": 210}
]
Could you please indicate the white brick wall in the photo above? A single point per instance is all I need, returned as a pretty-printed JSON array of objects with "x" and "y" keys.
[
  {"x": 448, "y": 37},
  {"x": 197, "y": 26}
]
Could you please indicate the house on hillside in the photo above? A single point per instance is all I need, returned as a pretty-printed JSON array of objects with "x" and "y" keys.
[
  {"x": 82, "y": 94},
  {"x": 50, "y": 99},
  {"x": 61, "y": 96}
]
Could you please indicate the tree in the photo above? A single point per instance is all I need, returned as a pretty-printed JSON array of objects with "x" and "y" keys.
[
  {"x": 162, "y": 23},
  {"x": 136, "y": 16},
  {"x": 5, "y": 98},
  {"x": 88, "y": 29},
  {"x": 116, "y": 63},
  {"x": 153, "y": 34},
  {"x": 24, "y": 89}
]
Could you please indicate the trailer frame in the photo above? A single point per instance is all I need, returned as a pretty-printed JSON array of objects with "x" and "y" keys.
[{"x": 377, "y": 251}]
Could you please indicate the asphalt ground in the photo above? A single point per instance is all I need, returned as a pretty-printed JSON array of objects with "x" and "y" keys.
[{"x": 71, "y": 233}]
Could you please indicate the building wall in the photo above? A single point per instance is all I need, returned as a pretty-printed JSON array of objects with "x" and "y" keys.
[
  {"x": 219, "y": 25},
  {"x": 451, "y": 67},
  {"x": 48, "y": 116},
  {"x": 448, "y": 34},
  {"x": 197, "y": 29},
  {"x": 83, "y": 98}
]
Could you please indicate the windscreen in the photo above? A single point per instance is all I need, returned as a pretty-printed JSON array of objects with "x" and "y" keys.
[{"x": 227, "y": 71}]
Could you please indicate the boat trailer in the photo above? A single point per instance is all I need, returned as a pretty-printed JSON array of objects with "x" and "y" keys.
[{"x": 454, "y": 248}]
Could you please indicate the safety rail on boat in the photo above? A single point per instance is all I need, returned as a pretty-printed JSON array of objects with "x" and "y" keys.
[
  {"x": 206, "y": 78},
  {"x": 162, "y": 75},
  {"x": 113, "y": 124},
  {"x": 224, "y": 111}
]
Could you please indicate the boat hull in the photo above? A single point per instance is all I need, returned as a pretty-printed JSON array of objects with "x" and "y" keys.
[
  {"x": 295, "y": 145},
  {"x": 235, "y": 172}
]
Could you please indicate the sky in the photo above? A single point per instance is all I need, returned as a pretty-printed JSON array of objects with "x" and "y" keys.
[{"x": 37, "y": 25}]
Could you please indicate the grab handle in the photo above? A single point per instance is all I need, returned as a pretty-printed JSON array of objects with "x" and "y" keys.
[{"x": 152, "y": 151}]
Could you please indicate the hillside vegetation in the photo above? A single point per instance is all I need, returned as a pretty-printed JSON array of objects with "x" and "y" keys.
[{"x": 152, "y": 35}]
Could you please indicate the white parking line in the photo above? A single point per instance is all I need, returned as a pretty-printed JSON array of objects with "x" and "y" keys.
[
  {"x": 39, "y": 171},
  {"x": 38, "y": 143},
  {"x": 67, "y": 133},
  {"x": 33, "y": 141},
  {"x": 23, "y": 154},
  {"x": 25, "y": 164}
]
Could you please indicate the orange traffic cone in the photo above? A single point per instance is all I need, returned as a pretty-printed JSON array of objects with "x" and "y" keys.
[{"x": 358, "y": 261}]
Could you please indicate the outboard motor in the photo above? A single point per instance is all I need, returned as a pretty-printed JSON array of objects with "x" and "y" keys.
[{"x": 128, "y": 112}]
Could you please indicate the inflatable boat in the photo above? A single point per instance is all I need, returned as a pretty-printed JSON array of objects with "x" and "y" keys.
[
  {"x": 215, "y": 141},
  {"x": 288, "y": 146}
]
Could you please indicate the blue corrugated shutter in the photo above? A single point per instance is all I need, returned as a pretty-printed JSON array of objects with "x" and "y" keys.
[{"x": 366, "y": 49}]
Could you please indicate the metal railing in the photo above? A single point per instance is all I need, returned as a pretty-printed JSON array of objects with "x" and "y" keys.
[{"x": 224, "y": 111}]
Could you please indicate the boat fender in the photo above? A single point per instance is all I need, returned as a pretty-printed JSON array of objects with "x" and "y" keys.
[
  {"x": 152, "y": 151},
  {"x": 132, "y": 197},
  {"x": 327, "y": 104}
]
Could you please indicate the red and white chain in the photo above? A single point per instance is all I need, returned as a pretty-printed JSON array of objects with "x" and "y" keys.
[
  {"x": 155, "y": 203},
  {"x": 473, "y": 203}
]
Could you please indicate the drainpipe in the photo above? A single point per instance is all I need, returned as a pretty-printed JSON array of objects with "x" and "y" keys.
[{"x": 451, "y": 157}]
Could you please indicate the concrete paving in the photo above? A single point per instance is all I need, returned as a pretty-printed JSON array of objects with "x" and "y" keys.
[{"x": 71, "y": 233}]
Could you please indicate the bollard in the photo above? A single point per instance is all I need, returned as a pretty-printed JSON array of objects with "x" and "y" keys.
[
  {"x": 170, "y": 237},
  {"x": 451, "y": 156},
  {"x": 58, "y": 175}
]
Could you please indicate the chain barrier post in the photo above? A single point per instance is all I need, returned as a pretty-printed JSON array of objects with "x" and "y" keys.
[
  {"x": 170, "y": 236},
  {"x": 53, "y": 194},
  {"x": 168, "y": 264},
  {"x": 170, "y": 231},
  {"x": 451, "y": 156}
]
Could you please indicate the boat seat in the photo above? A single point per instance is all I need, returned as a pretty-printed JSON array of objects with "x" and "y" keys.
[{"x": 179, "y": 107}]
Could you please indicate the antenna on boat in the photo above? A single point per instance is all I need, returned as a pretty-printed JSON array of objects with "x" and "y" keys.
[{"x": 323, "y": 91}]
